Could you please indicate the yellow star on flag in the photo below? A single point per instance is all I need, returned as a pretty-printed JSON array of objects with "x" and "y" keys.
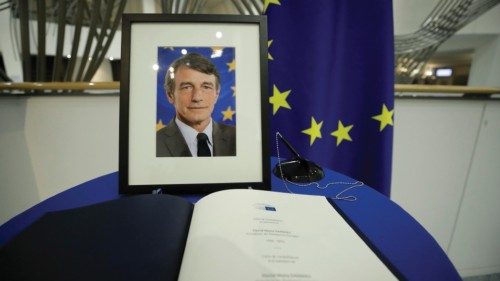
[
  {"x": 159, "y": 125},
  {"x": 228, "y": 114},
  {"x": 385, "y": 118},
  {"x": 269, "y": 2},
  {"x": 269, "y": 57},
  {"x": 231, "y": 65},
  {"x": 216, "y": 52},
  {"x": 314, "y": 131},
  {"x": 342, "y": 133},
  {"x": 279, "y": 99}
]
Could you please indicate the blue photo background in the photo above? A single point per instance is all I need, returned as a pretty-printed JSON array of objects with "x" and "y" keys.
[{"x": 224, "y": 60}]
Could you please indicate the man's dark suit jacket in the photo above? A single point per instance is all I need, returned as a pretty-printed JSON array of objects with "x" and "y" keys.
[{"x": 171, "y": 143}]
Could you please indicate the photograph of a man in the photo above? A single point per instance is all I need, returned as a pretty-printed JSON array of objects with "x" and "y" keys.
[{"x": 192, "y": 85}]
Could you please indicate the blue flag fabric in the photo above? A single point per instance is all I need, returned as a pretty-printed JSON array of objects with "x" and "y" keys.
[{"x": 331, "y": 84}]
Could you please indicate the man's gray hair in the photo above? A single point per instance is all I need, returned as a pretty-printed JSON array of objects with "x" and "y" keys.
[{"x": 193, "y": 61}]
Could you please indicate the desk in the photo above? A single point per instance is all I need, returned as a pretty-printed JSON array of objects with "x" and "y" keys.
[{"x": 400, "y": 241}]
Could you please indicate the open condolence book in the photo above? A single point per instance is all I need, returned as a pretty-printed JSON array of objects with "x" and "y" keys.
[{"x": 228, "y": 235}]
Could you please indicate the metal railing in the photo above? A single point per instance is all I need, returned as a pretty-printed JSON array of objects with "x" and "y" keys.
[
  {"x": 68, "y": 87},
  {"x": 448, "y": 16}
]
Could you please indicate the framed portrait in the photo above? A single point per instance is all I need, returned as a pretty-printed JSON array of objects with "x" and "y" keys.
[{"x": 193, "y": 103}]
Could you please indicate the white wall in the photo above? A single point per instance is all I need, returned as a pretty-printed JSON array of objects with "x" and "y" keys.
[
  {"x": 485, "y": 68},
  {"x": 433, "y": 145},
  {"x": 50, "y": 144},
  {"x": 488, "y": 23},
  {"x": 409, "y": 14},
  {"x": 71, "y": 140},
  {"x": 18, "y": 187},
  {"x": 475, "y": 246},
  {"x": 446, "y": 167}
]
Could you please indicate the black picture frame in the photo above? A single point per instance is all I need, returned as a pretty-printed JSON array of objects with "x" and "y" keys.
[{"x": 140, "y": 171}]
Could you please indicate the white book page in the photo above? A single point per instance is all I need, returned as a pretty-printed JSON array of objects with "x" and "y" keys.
[{"x": 268, "y": 236}]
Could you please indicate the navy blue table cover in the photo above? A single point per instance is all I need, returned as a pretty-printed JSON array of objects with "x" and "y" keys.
[{"x": 396, "y": 237}]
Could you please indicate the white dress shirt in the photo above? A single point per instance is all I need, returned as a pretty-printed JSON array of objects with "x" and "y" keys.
[{"x": 190, "y": 135}]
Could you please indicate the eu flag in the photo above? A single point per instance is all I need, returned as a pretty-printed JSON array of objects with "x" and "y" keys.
[{"x": 331, "y": 83}]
